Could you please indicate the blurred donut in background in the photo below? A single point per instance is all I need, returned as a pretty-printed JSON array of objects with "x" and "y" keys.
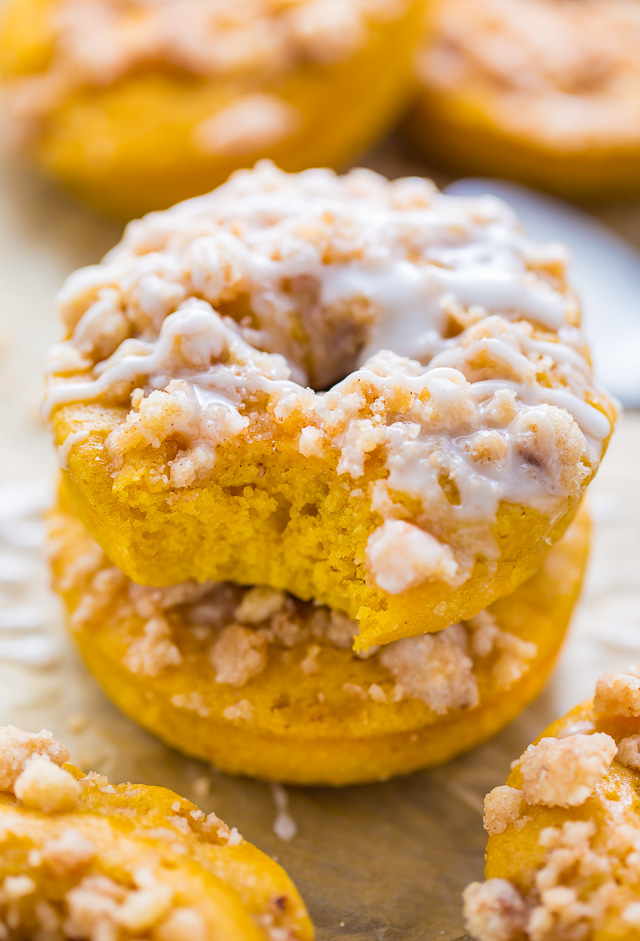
[
  {"x": 135, "y": 104},
  {"x": 542, "y": 91}
]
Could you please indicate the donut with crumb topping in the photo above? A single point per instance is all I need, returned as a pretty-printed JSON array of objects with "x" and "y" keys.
[
  {"x": 366, "y": 393},
  {"x": 261, "y": 684},
  {"x": 135, "y": 104},
  {"x": 82, "y": 858},
  {"x": 542, "y": 91},
  {"x": 564, "y": 832}
]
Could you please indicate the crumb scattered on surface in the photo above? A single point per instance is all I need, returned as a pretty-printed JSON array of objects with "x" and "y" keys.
[{"x": 284, "y": 826}]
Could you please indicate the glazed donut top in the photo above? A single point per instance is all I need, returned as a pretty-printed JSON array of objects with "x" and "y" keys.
[
  {"x": 578, "y": 786},
  {"x": 97, "y": 42},
  {"x": 447, "y": 344},
  {"x": 565, "y": 72}
]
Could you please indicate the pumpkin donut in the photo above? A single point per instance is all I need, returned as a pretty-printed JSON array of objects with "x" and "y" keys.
[
  {"x": 81, "y": 858},
  {"x": 135, "y": 104},
  {"x": 363, "y": 392},
  {"x": 263, "y": 685},
  {"x": 542, "y": 91},
  {"x": 564, "y": 832}
]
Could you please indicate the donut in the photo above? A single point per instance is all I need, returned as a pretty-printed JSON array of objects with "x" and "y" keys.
[
  {"x": 541, "y": 91},
  {"x": 261, "y": 684},
  {"x": 82, "y": 858},
  {"x": 564, "y": 832},
  {"x": 135, "y": 104},
  {"x": 365, "y": 393}
]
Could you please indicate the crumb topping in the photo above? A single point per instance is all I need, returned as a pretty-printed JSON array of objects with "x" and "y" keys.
[
  {"x": 435, "y": 668},
  {"x": 446, "y": 341},
  {"x": 70, "y": 886},
  {"x": 586, "y": 878},
  {"x": 18, "y": 748},
  {"x": 241, "y": 711},
  {"x": 502, "y": 806},
  {"x": 153, "y": 651},
  {"x": 45, "y": 786},
  {"x": 96, "y": 43},
  {"x": 494, "y": 910},
  {"x": 68, "y": 852},
  {"x": 566, "y": 73},
  {"x": 237, "y": 627},
  {"x": 98, "y": 907},
  {"x": 238, "y": 653},
  {"x": 581, "y": 882},
  {"x": 562, "y": 772},
  {"x": 401, "y": 556},
  {"x": 248, "y": 124},
  {"x": 618, "y": 694},
  {"x": 629, "y": 752}
]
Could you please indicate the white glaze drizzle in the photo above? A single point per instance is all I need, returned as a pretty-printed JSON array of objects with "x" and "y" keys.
[{"x": 76, "y": 437}]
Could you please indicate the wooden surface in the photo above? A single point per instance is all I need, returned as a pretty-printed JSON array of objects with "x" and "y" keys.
[{"x": 384, "y": 862}]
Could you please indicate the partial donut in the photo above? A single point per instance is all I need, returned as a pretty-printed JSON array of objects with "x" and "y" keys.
[
  {"x": 135, "y": 104},
  {"x": 82, "y": 858},
  {"x": 263, "y": 685},
  {"x": 542, "y": 91},
  {"x": 362, "y": 392},
  {"x": 564, "y": 832}
]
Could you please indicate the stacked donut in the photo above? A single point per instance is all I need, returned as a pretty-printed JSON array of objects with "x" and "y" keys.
[
  {"x": 324, "y": 442},
  {"x": 542, "y": 91},
  {"x": 135, "y": 104}
]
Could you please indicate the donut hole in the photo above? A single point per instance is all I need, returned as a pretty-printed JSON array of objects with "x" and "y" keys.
[{"x": 322, "y": 343}]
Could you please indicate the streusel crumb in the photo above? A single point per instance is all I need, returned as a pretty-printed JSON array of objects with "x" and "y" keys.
[
  {"x": 45, "y": 786},
  {"x": 629, "y": 752},
  {"x": 18, "y": 747},
  {"x": 494, "y": 911},
  {"x": 502, "y": 806},
  {"x": 618, "y": 694},
  {"x": 563, "y": 772},
  {"x": 68, "y": 852}
]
